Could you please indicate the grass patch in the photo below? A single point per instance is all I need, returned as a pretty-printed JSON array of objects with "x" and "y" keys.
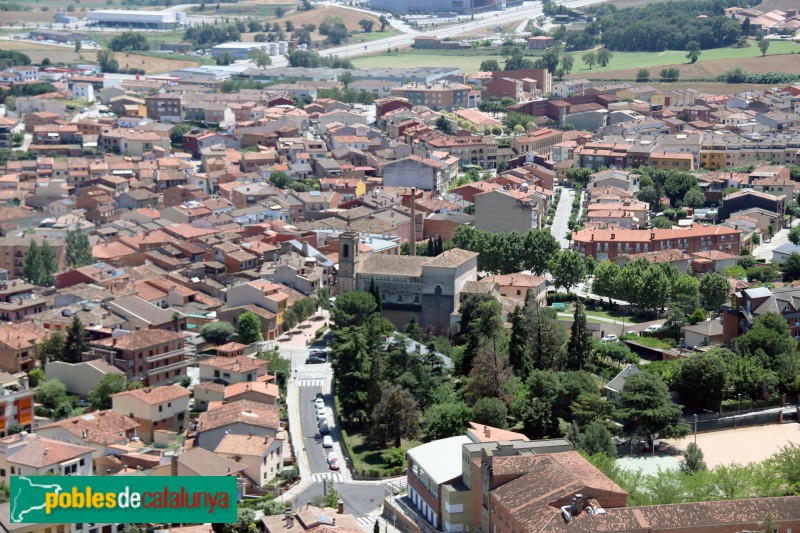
[
  {"x": 374, "y": 35},
  {"x": 155, "y": 38},
  {"x": 652, "y": 342},
  {"x": 613, "y": 315}
]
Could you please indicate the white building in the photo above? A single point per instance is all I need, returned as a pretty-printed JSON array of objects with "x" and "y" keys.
[
  {"x": 262, "y": 456},
  {"x": 238, "y": 50},
  {"x": 129, "y": 18},
  {"x": 31, "y": 455},
  {"x": 83, "y": 91}
]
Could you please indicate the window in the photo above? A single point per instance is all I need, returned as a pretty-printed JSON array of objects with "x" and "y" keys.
[{"x": 160, "y": 408}]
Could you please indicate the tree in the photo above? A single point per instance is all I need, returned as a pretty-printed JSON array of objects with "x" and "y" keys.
[
  {"x": 686, "y": 293},
  {"x": 590, "y": 407},
  {"x": 76, "y": 341},
  {"x": 217, "y": 332},
  {"x": 694, "y": 197},
  {"x": 589, "y": 59},
  {"x": 489, "y": 373},
  {"x": 579, "y": 345},
  {"x": 537, "y": 339},
  {"x": 395, "y": 416},
  {"x": 78, "y": 46},
  {"x": 714, "y": 290},
  {"x": 791, "y": 267},
  {"x": 567, "y": 62},
  {"x": 604, "y": 56},
  {"x": 100, "y": 396},
  {"x": 604, "y": 282},
  {"x": 568, "y": 269},
  {"x": 693, "y": 51},
  {"x": 669, "y": 74},
  {"x": 384, "y": 22},
  {"x": 366, "y": 25},
  {"x": 259, "y": 58},
  {"x": 51, "y": 349},
  {"x": 647, "y": 409},
  {"x": 63, "y": 410},
  {"x": 539, "y": 415},
  {"x": 596, "y": 438},
  {"x": 79, "y": 251},
  {"x": 763, "y": 46},
  {"x": 106, "y": 61},
  {"x": 491, "y": 412},
  {"x": 129, "y": 40},
  {"x": 249, "y": 328},
  {"x": 642, "y": 75},
  {"x": 794, "y": 235},
  {"x": 443, "y": 124},
  {"x": 447, "y": 419},
  {"x": 351, "y": 365},
  {"x": 489, "y": 65},
  {"x": 693, "y": 459},
  {"x": 353, "y": 308},
  {"x": 33, "y": 267},
  {"x": 701, "y": 381},
  {"x": 51, "y": 393}
]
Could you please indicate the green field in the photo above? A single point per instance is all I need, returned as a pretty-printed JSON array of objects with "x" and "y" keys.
[
  {"x": 153, "y": 37},
  {"x": 243, "y": 10},
  {"x": 469, "y": 60},
  {"x": 373, "y": 35}
]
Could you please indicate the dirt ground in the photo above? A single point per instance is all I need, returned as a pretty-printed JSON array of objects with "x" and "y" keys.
[
  {"x": 59, "y": 54},
  {"x": 318, "y": 14},
  {"x": 742, "y": 445}
]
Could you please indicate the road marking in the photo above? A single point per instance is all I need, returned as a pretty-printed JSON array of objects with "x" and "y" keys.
[
  {"x": 399, "y": 484},
  {"x": 336, "y": 477},
  {"x": 310, "y": 382},
  {"x": 367, "y": 521}
]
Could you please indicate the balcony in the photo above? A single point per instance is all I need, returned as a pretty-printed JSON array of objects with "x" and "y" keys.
[
  {"x": 166, "y": 355},
  {"x": 189, "y": 361}
]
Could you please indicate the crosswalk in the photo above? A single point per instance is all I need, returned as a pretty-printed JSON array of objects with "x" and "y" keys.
[
  {"x": 335, "y": 476},
  {"x": 398, "y": 485},
  {"x": 310, "y": 382},
  {"x": 367, "y": 521}
]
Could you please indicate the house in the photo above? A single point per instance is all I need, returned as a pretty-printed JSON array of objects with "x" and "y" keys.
[
  {"x": 98, "y": 430},
  {"x": 703, "y": 333},
  {"x": 746, "y": 305},
  {"x": 420, "y": 172},
  {"x": 314, "y": 519},
  {"x": 260, "y": 293},
  {"x": 541, "y": 42},
  {"x": 782, "y": 252},
  {"x": 268, "y": 320},
  {"x": 235, "y": 369},
  {"x": 198, "y": 461},
  {"x": 627, "y": 181},
  {"x": 749, "y": 198},
  {"x": 18, "y": 344},
  {"x": 540, "y": 141},
  {"x": 154, "y": 408},
  {"x": 712, "y": 261},
  {"x": 141, "y": 314},
  {"x": 243, "y": 417},
  {"x": 261, "y": 456},
  {"x": 615, "y": 387},
  {"x": 154, "y": 356},
  {"x": 16, "y": 404},
  {"x": 24, "y": 454},
  {"x": 677, "y": 258},
  {"x": 516, "y": 286},
  {"x": 80, "y": 378},
  {"x": 508, "y": 210}
]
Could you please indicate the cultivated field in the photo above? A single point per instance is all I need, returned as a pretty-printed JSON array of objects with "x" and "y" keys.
[
  {"x": 62, "y": 54},
  {"x": 318, "y": 14},
  {"x": 743, "y": 445}
]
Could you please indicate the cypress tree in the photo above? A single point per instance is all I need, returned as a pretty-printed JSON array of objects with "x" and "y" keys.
[{"x": 33, "y": 269}]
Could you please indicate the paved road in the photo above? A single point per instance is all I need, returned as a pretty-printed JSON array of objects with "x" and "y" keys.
[{"x": 560, "y": 225}]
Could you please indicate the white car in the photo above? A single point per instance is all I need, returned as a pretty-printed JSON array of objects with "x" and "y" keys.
[
  {"x": 610, "y": 338},
  {"x": 321, "y": 412},
  {"x": 327, "y": 441},
  {"x": 653, "y": 328},
  {"x": 319, "y": 403}
]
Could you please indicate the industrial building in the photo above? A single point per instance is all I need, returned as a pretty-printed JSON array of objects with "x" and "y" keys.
[
  {"x": 128, "y": 18},
  {"x": 241, "y": 50},
  {"x": 446, "y": 8}
]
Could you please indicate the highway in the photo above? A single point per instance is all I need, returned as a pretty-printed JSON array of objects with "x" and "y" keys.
[{"x": 531, "y": 10}]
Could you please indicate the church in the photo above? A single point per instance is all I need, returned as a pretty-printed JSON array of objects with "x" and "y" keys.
[{"x": 426, "y": 288}]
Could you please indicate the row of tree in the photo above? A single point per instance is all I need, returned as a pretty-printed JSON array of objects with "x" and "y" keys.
[
  {"x": 41, "y": 263},
  {"x": 508, "y": 252}
]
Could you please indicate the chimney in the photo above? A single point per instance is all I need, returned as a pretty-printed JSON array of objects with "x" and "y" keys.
[
  {"x": 577, "y": 503},
  {"x": 45, "y": 451},
  {"x": 340, "y": 507},
  {"x": 85, "y": 433},
  {"x": 25, "y": 383},
  {"x": 412, "y": 239},
  {"x": 652, "y": 235},
  {"x": 487, "y": 431},
  {"x": 173, "y": 466},
  {"x": 613, "y": 236}
]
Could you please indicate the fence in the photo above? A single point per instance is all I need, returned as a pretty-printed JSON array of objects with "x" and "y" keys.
[{"x": 747, "y": 419}]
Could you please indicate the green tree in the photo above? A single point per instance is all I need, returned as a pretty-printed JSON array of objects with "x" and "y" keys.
[
  {"x": 694, "y": 197},
  {"x": 51, "y": 349},
  {"x": 351, "y": 366},
  {"x": 384, "y": 22},
  {"x": 259, "y": 58},
  {"x": 490, "y": 371},
  {"x": 568, "y": 269},
  {"x": 642, "y": 75},
  {"x": 591, "y": 407},
  {"x": 100, "y": 396},
  {"x": 537, "y": 339},
  {"x": 763, "y": 46},
  {"x": 79, "y": 251},
  {"x": 579, "y": 345},
  {"x": 249, "y": 328},
  {"x": 596, "y": 438},
  {"x": 366, "y": 25},
  {"x": 647, "y": 409},
  {"x": 63, "y": 410},
  {"x": 446, "y": 420},
  {"x": 353, "y": 308},
  {"x": 686, "y": 293},
  {"x": 589, "y": 59},
  {"x": 539, "y": 415},
  {"x": 78, "y": 46},
  {"x": 33, "y": 267},
  {"x": 491, "y": 412},
  {"x": 701, "y": 381},
  {"x": 395, "y": 416},
  {"x": 794, "y": 235},
  {"x": 51, "y": 393},
  {"x": 76, "y": 342},
  {"x": 177, "y": 133},
  {"x": 604, "y": 282},
  {"x": 489, "y": 65},
  {"x": 791, "y": 267},
  {"x": 714, "y": 290},
  {"x": 604, "y": 57},
  {"x": 567, "y": 62},
  {"x": 693, "y": 51},
  {"x": 693, "y": 459},
  {"x": 217, "y": 332}
]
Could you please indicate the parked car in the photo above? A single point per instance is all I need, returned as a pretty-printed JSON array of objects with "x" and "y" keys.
[
  {"x": 314, "y": 360},
  {"x": 321, "y": 412},
  {"x": 331, "y": 456},
  {"x": 334, "y": 463},
  {"x": 324, "y": 429},
  {"x": 610, "y": 338},
  {"x": 319, "y": 396},
  {"x": 631, "y": 332},
  {"x": 319, "y": 402},
  {"x": 327, "y": 441},
  {"x": 653, "y": 328}
]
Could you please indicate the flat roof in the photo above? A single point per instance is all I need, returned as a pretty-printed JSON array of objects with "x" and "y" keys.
[{"x": 440, "y": 459}]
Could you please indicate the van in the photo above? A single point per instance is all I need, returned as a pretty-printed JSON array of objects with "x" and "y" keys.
[{"x": 327, "y": 441}]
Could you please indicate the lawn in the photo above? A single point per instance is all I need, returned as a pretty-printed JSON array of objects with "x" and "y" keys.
[
  {"x": 366, "y": 454},
  {"x": 373, "y": 35},
  {"x": 613, "y": 315},
  {"x": 467, "y": 61},
  {"x": 155, "y": 38}
]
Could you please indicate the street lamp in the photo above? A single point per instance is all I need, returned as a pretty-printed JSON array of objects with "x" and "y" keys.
[
  {"x": 694, "y": 418},
  {"x": 394, "y": 522}
]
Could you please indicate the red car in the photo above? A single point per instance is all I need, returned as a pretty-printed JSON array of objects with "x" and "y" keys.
[{"x": 334, "y": 463}]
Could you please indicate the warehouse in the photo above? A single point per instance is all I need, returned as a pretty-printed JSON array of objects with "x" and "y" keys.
[
  {"x": 240, "y": 50},
  {"x": 124, "y": 18}
]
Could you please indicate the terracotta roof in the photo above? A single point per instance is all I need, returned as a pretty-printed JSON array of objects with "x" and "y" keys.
[
  {"x": 21, "y": 336},
  {"x": 238, "y": 363},
  {"x": 244, "y": 445},
  {"x": 483, "y": 433},
  {"x": 632, "y": 235},
  {"x": 516, "y": 280},
  {"x": 261, "y": 387},
  {"x": 41, "y": 452},
  {"x": 155, "y": 395},
  {"x": 104, "y": 427},
  {"x": 205, "y": 463},
  {"x": 242, "y": 411},
  {"x": 138, "y": 340}
]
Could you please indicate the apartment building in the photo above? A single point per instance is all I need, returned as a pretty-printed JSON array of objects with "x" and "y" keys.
[
  {"x": 610, "y": 243},
  {"x": 167, "y": 107},
  {"x": 469, "y": 149},
  {"x": 155, "y": 408},
  {"x": 540, "y": 141},
  {"x": 437, "y": 95}
]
